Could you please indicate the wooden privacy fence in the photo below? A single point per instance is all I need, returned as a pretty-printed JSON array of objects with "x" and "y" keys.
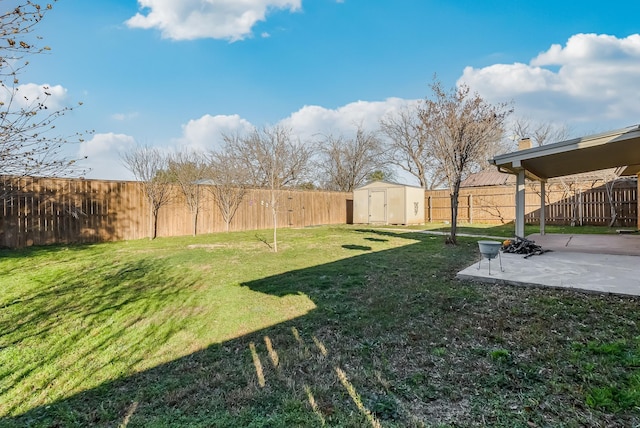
[
  {"x": 47, "y": 211},
  {"x": 496, "y": 205}
]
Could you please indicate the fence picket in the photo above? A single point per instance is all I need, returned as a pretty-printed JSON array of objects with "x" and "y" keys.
[
  {"x": 45, "y": 211},
  {"x": 496, "y": 205}
]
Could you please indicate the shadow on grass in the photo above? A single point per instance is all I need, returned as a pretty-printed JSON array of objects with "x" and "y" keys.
[
  {"x": 376, "y": 239},
  {"x": 30, "y": 323},
  {"x": 357, "y": 247},
  {"x": 221, "y": 384},
  {"x": 381, "y": 347},
  {"x": 67, "y": 298}
]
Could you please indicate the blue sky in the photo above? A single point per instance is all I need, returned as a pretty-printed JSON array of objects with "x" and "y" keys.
[{"x": 177, "y": 73}]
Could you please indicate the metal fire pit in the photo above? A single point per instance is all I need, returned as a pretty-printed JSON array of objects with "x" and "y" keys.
[{"x": 490, "y": 250}]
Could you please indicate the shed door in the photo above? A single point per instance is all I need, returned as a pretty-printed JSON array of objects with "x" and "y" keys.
[{"x": 377, "y": 206}]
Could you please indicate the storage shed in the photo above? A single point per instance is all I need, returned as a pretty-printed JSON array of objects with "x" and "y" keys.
[{"x": 382, "y": 202}]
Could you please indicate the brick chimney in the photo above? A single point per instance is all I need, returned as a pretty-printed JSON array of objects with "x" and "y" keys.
[{"x": 524, "y": 143}]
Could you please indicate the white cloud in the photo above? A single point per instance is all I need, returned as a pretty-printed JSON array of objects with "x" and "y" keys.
[
  {"x": 590, "y": 82},
  {"x": 308, "y": 123},
  {"x": 29, "y": 94},
  {"x": 591, "y": 48},
  {"x": 312, "y": 121},
  {"x": 206, "y": 132},
  {"x": 124, "y": 116},
  {"x": 103, "y": 156},
  {"x": 218, "y": 19}
]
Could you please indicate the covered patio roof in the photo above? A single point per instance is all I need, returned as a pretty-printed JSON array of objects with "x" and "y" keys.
[
  {"x": 613, "y": 149},
  {"x": 619, "y": 148}
]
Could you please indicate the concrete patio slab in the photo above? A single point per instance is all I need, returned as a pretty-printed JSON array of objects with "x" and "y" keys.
[{"x": 599, "y": 273}]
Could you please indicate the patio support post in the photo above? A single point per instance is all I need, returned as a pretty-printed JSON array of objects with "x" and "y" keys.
[
  {"x": 520, "y": 204},
  {"x": 542, "y": 206}
]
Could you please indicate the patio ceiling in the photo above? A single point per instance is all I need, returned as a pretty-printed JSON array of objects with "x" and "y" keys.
[{"x": 619, "y": 148}]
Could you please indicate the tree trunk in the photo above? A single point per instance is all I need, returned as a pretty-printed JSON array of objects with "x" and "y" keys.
[
  {"x": 454, "y": 219},
  {"x": 154, "y": 223},
  {"x": 274, "y": 211},
  {"x": 612, "y": 205},
  {"x": 275, "y": 232},
  {"x": 614, "y": 216},
  {"x": 195, "y": 222},
  {"x": 452, "y": 239},
  {"x": 151, "y": 223},
  {"x": 196, "y": 211}
]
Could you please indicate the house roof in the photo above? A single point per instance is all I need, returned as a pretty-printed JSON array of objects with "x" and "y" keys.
[
  {"x": 488, "y": 178},
  {"x": 497, "y": 178},
  {"x": 619, "y": 148}
]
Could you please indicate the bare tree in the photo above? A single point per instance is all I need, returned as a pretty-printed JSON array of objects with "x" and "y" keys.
[
  {"x": 188, "y": 169},
  {"x": 610, "y": 178},
  {"x": 408, "y": 146},
  {"x": 229, "y": 183},
  {"x": 574, "y": 186},
  {"x": 346, "y": 163},
  {"x": 464, "y": 131},
  {"x": 28, "y": 145},
  {"x": 274, "y": 159},
  {"x": 540, "y": 132},
  {"x": 149, "y": 166}
]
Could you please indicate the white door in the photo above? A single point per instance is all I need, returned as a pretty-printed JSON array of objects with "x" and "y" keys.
[{"x": 377, "y": 206}]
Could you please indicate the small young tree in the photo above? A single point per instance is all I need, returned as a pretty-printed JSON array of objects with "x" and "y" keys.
[
  {"x": 408, "y": 146},
  {"x": 187, "y": 169},
  {"x": 346, "y": 163},
  {"x": 229, "y": 183},
  {"x": 464, "y": 132},
  {"x": 610, "y": 178},
  {"x": 28, "y": 145},
  {"x": 273, "y": 159},
  {"x": 380, "y": 175},
  {"x": 149, "y": 167}
]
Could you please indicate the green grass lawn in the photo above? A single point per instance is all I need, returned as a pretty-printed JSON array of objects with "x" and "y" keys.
[{"x": 345, "y": 326}]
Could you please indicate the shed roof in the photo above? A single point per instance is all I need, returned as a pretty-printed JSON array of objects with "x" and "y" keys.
[
  {"x": 383, "y": 183},
  {"x": 619, "y": 148}
]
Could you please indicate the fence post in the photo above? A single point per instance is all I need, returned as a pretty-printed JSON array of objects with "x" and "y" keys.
[
  {"x": 520, "y": 204},
  {"x": 430, "y": 210},
  {"x": 470, "y": 203},
  {"x": 580, "y": 208},
  {"x": 543, "y": 206}
]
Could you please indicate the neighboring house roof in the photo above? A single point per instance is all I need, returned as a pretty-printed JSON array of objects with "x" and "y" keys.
[
  {"x": 205, "y": 181},
  {"x": 488, "y": 178},
  {"x": 497, "y": 178}
]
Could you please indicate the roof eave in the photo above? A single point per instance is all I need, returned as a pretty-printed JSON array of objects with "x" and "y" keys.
[
  {"x": 563, "y": 146},
  {"x": 512, "y": 162}
]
